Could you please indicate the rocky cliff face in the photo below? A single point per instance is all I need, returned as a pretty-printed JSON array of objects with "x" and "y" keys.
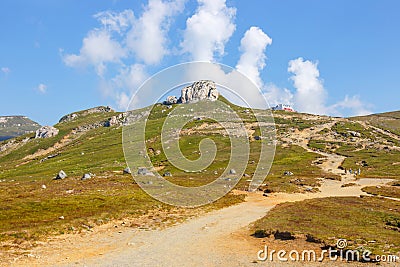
[
  {"x": 200, "y": 90},
  {"x": 12, "y": 126}
]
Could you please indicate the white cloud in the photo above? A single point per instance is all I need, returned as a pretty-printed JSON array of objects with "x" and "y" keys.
[
  {"x": 252, "y": 60},
  {"x": 208, "y": 30},
  {"x": 123, "y": 46},
  {"x": 352, "y": 106},
  {"x": 147, "y": 38},
  {"x": 5, "y": 70},
  {"x": 42, "y": 88},
  {"x": 114, "y": 21},
  {"x": 122, "y": 101},
  {"x": 98, "y": 48},
  {"x": 128, "y": 81},
  {"x": 276, "y": 95},
  {"x": 310, "y": 93}
]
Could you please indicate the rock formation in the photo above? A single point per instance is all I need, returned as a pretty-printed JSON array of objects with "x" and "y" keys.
[
  {"x": 200, "y": 90},
  {"x": 46, "y": 132}
]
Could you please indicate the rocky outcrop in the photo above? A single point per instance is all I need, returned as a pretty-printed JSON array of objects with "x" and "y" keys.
[
  {"x": 69, "y": 117},
  {"x": 171, "y": 100},
  {"x": 46, "y": 132},
  {"x": 200, "y": 90},
  {"x": 115, "y": 120}
]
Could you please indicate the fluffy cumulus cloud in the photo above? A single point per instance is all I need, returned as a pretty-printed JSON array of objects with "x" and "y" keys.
[
  {"x": 42, "y": 88},
  {"x": 276, "y": 95},
  {"x": 208, "y": 30},
  {"x": 148, "y": 38},
  {"x": 252, "y": 60},
  {"x": 126, "y": 44},
  {"x": 97, "y": 50},
  {"x": 350, "y": 105},
  {"x": 310, "y": 93}
]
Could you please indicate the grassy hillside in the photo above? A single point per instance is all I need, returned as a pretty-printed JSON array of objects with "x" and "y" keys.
[
  {"x": 389, "y": 121},
  {"x": 31, "y": 202}
]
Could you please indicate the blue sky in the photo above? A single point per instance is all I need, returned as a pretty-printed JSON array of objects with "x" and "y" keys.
[{"x": 333, "y": 57}]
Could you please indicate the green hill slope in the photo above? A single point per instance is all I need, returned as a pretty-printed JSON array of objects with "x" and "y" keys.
[
  {"x": 87, "y": 142},
  {"x": 389, "y": 121}
]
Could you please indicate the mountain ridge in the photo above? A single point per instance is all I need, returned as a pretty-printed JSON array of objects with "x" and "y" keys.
[{"x": 16, "y": 125}]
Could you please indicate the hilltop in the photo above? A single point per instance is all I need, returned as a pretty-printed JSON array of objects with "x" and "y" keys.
[{"x": 12, "y": 126}]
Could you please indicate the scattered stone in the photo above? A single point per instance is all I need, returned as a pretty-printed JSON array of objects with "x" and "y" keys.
[
  {"x": 288, "y": 173},
  {"x": 144, "y": 171},
  {"x": 232, "y": 171},
  {"x": 61, "y": 217},
  {"x": 127, "y": 170},
  {"x": 354, "y": 134},
  {"x": 257, "y": 137},
  {"x": 86, "y": 176},
  {"x": 49, "y": 157},
  {"x": 69, "y": 191},
  {"x": 61, "y": 175},
  {"x": 44, "y": 186},
  {"x": 167, "y": 174},
  {"x": 46, "y": 132}
]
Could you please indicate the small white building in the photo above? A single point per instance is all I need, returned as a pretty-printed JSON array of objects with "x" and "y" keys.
[{"x": 283, "y": 107}]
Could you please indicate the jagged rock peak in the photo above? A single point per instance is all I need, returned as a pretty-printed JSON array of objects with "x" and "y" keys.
[
  {"x": 204, "y": 89},
  {"x": 200, "y": 90}
]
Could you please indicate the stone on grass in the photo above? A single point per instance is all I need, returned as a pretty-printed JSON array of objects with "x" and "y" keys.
[
  {"x": 127, "y": 170},
  {"x": 61, "y": 175},
  {"x": 86, "y": 176}
]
